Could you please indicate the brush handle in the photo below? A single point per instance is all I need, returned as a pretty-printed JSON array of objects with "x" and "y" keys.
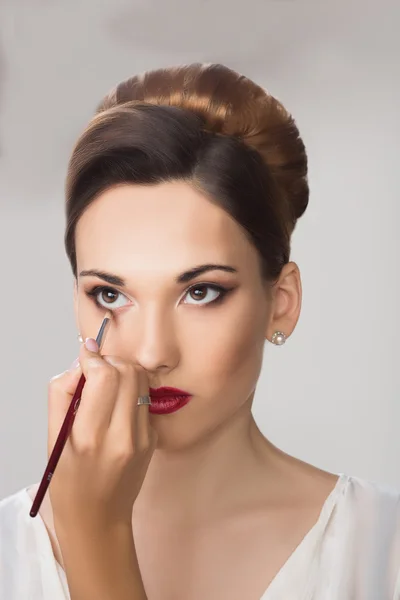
[
  {"x": 65, "y": 430},
  {"x": 58, "y": 447}
]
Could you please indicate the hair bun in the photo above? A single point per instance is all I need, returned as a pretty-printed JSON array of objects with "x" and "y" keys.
[{"x": 229, "y": 104}]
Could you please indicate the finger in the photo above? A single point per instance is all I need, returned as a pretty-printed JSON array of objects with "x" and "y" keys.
[
  {"x": 60, "y": 392},
  {"x": 97, "y": 402},
  {"x": 122, "y": 424},
  {"x": 145, "y": 435}
]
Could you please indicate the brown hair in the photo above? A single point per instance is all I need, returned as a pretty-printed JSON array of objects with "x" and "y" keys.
[{"x": 207, "y": 125}]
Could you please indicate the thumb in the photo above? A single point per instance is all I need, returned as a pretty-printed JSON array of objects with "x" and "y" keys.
[{"x": 60, "y": 392}]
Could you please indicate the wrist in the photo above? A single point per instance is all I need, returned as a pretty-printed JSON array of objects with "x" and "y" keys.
[{"x": 101, "y": 562}]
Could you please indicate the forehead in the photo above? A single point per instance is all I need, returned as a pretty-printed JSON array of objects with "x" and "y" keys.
[{"x": 157, "y": 227}]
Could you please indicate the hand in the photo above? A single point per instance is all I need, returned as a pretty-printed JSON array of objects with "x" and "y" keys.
[{"x": 106, "y": 457}]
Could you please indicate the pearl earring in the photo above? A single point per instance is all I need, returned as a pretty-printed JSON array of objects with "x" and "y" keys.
[
  {"x": 80, "y": 338},
  {"x": 279, "y": 338}
]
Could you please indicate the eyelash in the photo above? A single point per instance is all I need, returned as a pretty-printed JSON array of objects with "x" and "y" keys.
[{"x": 223, "y": 292}]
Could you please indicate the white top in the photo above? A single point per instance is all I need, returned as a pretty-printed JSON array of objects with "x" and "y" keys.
[{"x": 351, "y": 553}]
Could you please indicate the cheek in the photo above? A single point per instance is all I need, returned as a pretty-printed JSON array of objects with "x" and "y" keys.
[{"x": 234, "y": 357}]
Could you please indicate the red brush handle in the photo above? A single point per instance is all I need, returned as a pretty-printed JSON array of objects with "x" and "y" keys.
[{"x": 58, "y": 447}]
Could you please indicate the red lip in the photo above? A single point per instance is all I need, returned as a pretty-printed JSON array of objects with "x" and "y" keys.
[
  {"x": 162, "y": 392},
  {"x": 166, "y": 400}
]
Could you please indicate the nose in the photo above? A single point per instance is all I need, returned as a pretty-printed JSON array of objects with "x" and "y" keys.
[{"x": 155, "y": 344}]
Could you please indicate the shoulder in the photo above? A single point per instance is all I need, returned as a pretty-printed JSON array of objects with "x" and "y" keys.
[
  {"x": 371, "y": 506},
  {"x": 12, "y": 505},
  {"x": 368, "y": 519},
  {"x": 26, "y": 560},
  {"x": 20, "y": 534},
  {"x": 359, "y": 541},
  {"x": 364, "y": 494},
  {"x": 14, "y": 518}
]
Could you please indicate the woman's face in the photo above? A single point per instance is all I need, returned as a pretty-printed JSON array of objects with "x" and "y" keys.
[{"x": 190, "y": 335}]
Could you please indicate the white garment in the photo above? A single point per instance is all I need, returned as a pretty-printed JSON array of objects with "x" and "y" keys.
[{"x": 351, "y": 553}]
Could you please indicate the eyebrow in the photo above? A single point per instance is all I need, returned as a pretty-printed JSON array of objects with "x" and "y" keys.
[{"x": 181, "y": 278}]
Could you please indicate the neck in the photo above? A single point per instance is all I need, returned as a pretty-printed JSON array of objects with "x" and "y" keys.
[{"x": 224, "y": 471}]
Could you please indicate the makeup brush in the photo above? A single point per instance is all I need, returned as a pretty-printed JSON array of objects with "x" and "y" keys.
[{"x": 65, "y": 430}]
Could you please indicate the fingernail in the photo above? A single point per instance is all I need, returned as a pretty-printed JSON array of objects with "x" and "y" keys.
[
  {"x": 91, "y": 345},
  {"x": 74, "y": 365}
]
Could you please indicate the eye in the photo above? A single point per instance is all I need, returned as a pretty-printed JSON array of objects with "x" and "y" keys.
[
  {"x": 217, "y": 291},
  {"x": 106, "y": 297}
]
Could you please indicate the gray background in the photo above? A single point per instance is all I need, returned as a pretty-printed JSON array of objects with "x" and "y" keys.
[{"x": 331, "y": 395}]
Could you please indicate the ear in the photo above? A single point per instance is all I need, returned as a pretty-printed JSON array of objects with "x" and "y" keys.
[{"x": 286, "y": 301}]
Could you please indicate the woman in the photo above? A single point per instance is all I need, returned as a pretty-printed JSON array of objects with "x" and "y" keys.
[{"x": 188, "y": 180}]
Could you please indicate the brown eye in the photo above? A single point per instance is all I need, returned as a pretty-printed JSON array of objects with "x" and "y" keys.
[
  {"x": 199, "y": 293},
  {"x": 108, "y": 296}
]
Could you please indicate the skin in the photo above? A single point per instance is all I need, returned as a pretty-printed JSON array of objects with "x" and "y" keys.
[{"x": 217, "y": 495}]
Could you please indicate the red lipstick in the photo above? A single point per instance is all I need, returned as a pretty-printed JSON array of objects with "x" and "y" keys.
[{"x": 165, "y": 400}]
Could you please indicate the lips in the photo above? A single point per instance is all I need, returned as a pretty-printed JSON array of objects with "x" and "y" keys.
[
  {"x": 162, "y": 392},
  {"x": 166, "y": 400}
]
